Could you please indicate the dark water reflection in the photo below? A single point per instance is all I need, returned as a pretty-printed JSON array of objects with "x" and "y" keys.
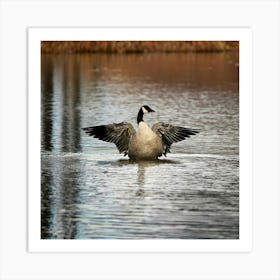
[{"x": 90, "y": 191}]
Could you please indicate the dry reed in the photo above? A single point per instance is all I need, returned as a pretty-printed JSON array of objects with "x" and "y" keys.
[{"x": 56, "y": 47}]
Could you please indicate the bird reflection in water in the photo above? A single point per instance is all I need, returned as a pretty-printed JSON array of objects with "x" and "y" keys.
[{"x": 141, "y": 171}]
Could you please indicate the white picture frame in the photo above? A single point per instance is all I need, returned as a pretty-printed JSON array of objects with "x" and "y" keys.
[{"x": 243, "y": 35}]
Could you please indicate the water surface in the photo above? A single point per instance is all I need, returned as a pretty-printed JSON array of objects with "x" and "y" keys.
[{"x": 90, "y": 191}]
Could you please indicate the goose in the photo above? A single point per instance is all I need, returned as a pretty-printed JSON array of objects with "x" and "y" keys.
[{"x": 145, "y": 144}]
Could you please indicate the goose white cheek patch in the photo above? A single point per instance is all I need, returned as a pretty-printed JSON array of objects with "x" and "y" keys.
[{"x": 144, "y": 110}]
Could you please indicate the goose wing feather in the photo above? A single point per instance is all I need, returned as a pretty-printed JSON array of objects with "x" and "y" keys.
[
  {"x": 117, "y": 133},
  {"x": 171, "y": 134}
]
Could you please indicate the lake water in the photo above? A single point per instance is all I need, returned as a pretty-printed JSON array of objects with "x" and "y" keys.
[{"x": 90, "y": 191}]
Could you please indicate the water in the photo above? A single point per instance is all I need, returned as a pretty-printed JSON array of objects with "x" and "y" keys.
[{"x": 90, "y": 191}]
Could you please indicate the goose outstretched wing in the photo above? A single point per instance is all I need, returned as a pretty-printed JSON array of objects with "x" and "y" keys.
[
  {"x": 171, "y": 134},
  {"x": 117, "y": 133}
]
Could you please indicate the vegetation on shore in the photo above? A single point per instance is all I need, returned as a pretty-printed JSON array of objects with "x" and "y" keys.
[{"x": 56, "y": 47}]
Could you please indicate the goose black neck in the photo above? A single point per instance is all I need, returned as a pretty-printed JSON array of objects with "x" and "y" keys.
[{"x": 140, "y": 116}]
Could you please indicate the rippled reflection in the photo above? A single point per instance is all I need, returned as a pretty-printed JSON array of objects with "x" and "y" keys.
[{"x": 89, "y": 191}]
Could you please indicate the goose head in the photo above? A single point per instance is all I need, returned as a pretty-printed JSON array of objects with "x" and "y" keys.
[{"x": 143, "y": 110}]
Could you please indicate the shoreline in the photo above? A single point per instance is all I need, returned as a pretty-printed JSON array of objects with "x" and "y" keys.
[{"x": 122, "y": 47}]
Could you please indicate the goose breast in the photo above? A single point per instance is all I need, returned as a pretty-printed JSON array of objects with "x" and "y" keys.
[{"x": 145, "y": 144}]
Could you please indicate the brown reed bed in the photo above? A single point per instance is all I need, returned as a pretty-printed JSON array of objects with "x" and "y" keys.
[{"x": 56, "y": 47}]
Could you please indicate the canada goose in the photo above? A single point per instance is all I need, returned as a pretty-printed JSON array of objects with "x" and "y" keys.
[{"x": 145, "y": 144}]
